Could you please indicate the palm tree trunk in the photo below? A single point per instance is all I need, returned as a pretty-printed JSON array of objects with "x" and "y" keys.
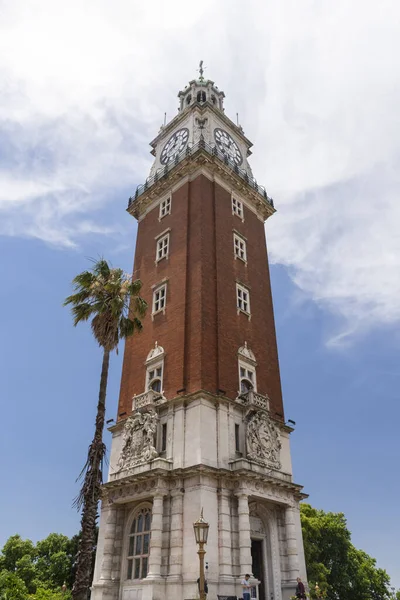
[{"x": 90, "y": 493}]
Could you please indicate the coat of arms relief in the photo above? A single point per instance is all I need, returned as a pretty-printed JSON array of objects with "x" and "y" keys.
[
  {"x": 263, "y": 439},
  {"x": 138, "y": 442}
]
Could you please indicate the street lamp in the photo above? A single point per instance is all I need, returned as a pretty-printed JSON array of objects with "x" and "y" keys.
[{"x": 201, "y": 528}]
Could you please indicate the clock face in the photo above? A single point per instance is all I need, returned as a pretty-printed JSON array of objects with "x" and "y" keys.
[
  {"x": 174, "y": 146},
  {"x": 228, "y": 146}
]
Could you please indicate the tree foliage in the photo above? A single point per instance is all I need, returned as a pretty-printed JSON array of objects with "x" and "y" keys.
[
  {"x": 341, "y": 571},
  {"x": 111, "y": 299},
  {"x": 12, "y": 587},
  {"x": 39, "y": 572}
]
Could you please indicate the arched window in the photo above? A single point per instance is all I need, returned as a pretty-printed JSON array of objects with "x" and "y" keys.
[
  {"x": 246, "y": 380},
  {"x": 139, "y": 545},
  {"x": 155, "y": 369},
  {"x": 201, "y": 96},
  {"x": 247, "y": 370},
  {"x": 188, "y": 99},
  {"x": 213, "y": 99},
  {"x": 155, "y": 379}
]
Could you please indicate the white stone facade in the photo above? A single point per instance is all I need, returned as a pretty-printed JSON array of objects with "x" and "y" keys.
[{"x": 205, "y": 464}]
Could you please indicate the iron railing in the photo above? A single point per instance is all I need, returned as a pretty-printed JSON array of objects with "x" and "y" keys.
[{"x": 191, "y": 151}]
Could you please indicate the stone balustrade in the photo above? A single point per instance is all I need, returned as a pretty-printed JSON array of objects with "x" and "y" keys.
[
  {"x": 252, "y": 398},
  {"x": 147, "y": 400}
]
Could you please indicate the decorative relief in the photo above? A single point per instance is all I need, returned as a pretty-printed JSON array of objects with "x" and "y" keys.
[
  {"x": 247, "y": 353},
  {"x": 257, "y": 526},
  {"x": 138, "y": 440},
  {"x": 263, "y": 440},
  {"x": 155, "y": 352}
]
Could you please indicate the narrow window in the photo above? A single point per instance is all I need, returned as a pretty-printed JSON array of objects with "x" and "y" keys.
[
  {"x": 239, "y": 248},
  {"x": 242, "y": 299},
  {"x": 139, "y": 545},
  {"x": 162, "y": 247},
  {"x": 237, "y": 208},
  {"x": 247, "y": 378},
  {"x": 154, "y": 378},
  {"x": 165, "y": 207},
  {"x": 201, "y": 97},
  {"x": 159, "y": 299},
  {"x": 188, "y": 99},
  {"x": 237, "y": 439},
  {"x": 163, "y": 437}
]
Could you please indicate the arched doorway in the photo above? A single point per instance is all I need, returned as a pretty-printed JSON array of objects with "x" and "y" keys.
[{"x": 263, "y": 549}]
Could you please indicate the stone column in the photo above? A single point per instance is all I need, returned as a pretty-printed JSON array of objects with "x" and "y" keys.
[
  {"x": 244, "y": 535},
  {"x": 118, "y": 544},
  {"x": 109, "y": 538},
  {"x": 156, "y": 537},
  {"x": 291, "y": 544},
  {"x": 225, "y": 535},
  {"x": 176, "y": 540}
]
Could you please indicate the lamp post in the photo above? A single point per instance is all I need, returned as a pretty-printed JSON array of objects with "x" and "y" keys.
[{"x": 201, "y": 528}]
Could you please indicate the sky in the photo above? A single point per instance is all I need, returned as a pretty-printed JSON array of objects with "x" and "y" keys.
[{"x": 83, "y": 90}]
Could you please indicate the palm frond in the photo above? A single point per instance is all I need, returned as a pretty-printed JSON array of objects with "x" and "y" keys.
[
  {"x": 82, "y": 312},
  {"x": 96, "y": 456},
  {"x": 126, "y": 327},
  {"x": 137, "y": 324},
  {"x": 83, "y": 280},
  {"x": 134, "y": 287},
  {"x": 110, "y": 297},
  {"x": 139, "y": 306},
  {"x": 81, "y": 296},
  {"x": 102, "y": 269}
]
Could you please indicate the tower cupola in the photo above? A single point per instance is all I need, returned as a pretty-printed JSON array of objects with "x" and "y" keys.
[{"x": 200, "y": 91}]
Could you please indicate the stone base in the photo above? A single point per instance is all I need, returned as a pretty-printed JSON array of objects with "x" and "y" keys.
[
  {"x": 105, "y": 590},
  {"x": 288, "y": 590}
]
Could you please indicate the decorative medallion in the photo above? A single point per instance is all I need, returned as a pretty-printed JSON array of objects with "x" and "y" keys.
[{"x": 263, "y": 440}]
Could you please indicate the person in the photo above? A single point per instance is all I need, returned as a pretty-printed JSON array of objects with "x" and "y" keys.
[
  {"x": 246, "y": 587},
  {"x": 300, "y": 589},
  {"x": 205, "y": 585}
]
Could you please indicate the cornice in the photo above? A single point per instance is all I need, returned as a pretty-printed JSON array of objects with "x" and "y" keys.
[
  {"x": 243, "y": 481},
  {"x": 201, "y": 158}
]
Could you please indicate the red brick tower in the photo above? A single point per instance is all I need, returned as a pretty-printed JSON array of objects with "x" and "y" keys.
[{"x": 200, "y": 417}]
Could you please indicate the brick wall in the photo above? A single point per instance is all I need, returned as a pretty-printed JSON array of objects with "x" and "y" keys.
[{"x": 201, "y": 330}]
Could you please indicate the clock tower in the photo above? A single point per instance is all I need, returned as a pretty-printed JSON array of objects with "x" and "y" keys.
[{"x": 200, "y": 418}]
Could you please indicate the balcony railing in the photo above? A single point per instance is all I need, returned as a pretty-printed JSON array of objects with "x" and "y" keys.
[
  {"x": 147, "y": 398},
  {"x": 191, "y": 151},
  {"x": 252, "y": 398}
]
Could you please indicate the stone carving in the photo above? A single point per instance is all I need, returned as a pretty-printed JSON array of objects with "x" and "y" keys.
[
  {"x": 263, "y": 440},
  {"x": 138, "y": 440},
  {"x": 247, "y": 354},
  {"x": 155, "y": 352}
]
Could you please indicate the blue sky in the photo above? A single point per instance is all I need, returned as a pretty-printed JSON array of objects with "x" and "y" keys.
[
  {"x": 344, "y": 400},
  {"x": 320, "y": 102}
]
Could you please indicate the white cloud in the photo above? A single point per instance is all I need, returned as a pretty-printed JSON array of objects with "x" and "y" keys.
[{"x": 85, "y": 86}]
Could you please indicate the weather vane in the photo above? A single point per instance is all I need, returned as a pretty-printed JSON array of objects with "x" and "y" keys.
[{"x": 201, "y": 70}]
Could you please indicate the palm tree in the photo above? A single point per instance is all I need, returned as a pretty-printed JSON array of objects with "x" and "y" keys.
[{"x": 111, "y": 299}]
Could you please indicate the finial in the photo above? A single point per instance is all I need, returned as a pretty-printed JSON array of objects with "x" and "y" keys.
[
  {"x": 245, "y": 344},
  {"x": 201, "y": 515},
  {"x": 156, "y": 344},
  {"x": 201, "y": 71}
]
